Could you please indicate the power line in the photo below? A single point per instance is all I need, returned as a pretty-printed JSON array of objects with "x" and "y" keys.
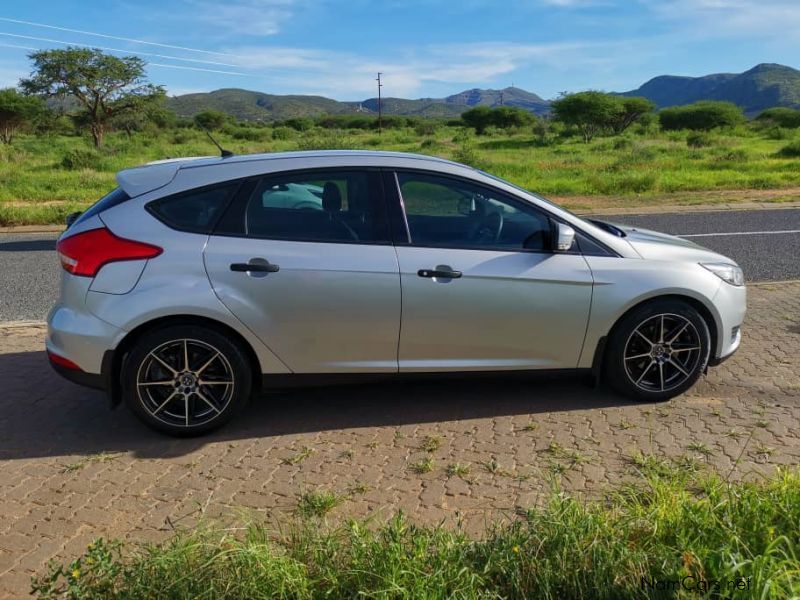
[
  {"x": 82, "y": 45},
  {"x": 113, "y": 37}
]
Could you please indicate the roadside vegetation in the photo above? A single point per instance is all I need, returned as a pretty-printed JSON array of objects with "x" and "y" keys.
[
  {"x": 669, "y": 532},
  {"x": 65, "y": 135}
]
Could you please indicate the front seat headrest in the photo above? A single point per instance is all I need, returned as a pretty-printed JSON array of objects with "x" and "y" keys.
[{"x": 331, "y": 197}]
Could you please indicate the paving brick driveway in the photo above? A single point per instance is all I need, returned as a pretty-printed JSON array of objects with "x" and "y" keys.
[{"x": 71, "y": 470}]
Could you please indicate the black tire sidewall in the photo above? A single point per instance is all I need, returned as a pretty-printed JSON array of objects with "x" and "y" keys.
[
  {"x": 614, "y": 359},
  {"x": 232, "y": 351}
]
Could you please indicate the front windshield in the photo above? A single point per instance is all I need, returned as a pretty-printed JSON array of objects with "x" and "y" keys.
[{"x": 537, "y": 196}]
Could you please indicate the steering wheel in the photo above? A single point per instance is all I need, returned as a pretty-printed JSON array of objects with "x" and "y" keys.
[{"x": 488, "y": 229}]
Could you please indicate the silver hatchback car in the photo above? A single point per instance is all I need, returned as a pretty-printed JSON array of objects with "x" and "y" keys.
[{"x": 198, "y": 282}]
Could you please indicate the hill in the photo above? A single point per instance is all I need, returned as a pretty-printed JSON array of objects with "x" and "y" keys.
[
  {"x": 763, "y": 86},
  {"x": 256, "y": 106}
]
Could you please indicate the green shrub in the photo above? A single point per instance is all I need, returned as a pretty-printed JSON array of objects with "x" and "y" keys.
[
  {"x": 671, "y": 524},
  {"x": 779, "y": 133},
  {"x": 781, "y": 116},
  {"x": 81, "y": 158},
  {"x": 329, "y": 139},
  {"x": 699, "y": 139},
  {"x": 791, "y": 150},
  {"x": 701, "y": 116},
  {"x": 282, "y": 133},
  {"x": 426, "y": 128}
]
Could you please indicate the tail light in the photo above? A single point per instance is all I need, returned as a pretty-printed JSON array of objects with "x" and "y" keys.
[{"x": 85, "y": 253}]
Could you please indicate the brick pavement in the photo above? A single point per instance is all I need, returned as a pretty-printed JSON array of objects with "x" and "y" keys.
[{"x": 71, "y": 470}]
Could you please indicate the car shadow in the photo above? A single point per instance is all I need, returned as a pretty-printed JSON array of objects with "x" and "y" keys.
[
  {"x": 28, "y": 246},
  {"x": 42, "y": 414}
]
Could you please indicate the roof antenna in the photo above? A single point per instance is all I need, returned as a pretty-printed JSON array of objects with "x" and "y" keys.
[{"x": 223, "y": 153}]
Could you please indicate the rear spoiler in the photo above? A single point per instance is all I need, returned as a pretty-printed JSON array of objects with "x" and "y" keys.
[{"x": 149, "y": 177}]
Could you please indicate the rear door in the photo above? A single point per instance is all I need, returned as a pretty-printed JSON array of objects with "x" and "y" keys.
[
  {"x": 304, "y": 260},
  {"x": 481, "y": 288}
]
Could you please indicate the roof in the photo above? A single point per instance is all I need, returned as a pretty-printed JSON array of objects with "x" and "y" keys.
[{"x": 157, "y": 174}]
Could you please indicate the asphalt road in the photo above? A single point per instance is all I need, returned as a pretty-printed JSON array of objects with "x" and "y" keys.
[{"x": 766, "y": 243}]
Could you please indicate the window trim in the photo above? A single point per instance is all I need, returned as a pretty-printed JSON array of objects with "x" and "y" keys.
[
  {"x": 236, "y": 209},
  {"x": 234, "y": 184},
  {"x": 398, "y": 201}
]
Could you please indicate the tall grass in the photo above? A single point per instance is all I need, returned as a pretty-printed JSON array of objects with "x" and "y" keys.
[
  {"x": 674, "y": 532},
  {"x": 65, "y": 169}
]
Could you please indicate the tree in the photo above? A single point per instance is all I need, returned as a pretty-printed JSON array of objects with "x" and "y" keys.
[
  {"x": 589, "y": 112},
  {"x": 633, "y": 109},
  {"x": 502, "y": 117},
  {"x": 17, "y": 110},
  {"x": 104, "y": 86},
  {"x": 781, "y": 116},
  {"x": 479, "y": 118},
  {"x": 210, "y": 119},
  {"x": 701, "y": 116}
]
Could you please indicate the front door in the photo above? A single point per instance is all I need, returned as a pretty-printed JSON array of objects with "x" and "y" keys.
[
  {"x": 481, "y": 290},
  {"x": 304, "y": 261}
]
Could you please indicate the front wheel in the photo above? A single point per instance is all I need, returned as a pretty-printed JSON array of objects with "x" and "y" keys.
[
  {"x": 658, "y": 351},
  {"x": 186, "y": 380}
]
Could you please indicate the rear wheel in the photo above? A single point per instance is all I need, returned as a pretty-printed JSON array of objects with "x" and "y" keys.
[
  {"x": 658, "y": 351},
  {"x": 186, "y": 380}
]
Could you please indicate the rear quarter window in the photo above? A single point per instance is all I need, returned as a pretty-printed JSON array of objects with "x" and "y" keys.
[
  {"x": 195, "y": 211},
  {"x": 110, "y": 200}
]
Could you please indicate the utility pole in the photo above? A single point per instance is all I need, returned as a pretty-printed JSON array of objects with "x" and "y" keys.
[{"x": 380, "y": 112}]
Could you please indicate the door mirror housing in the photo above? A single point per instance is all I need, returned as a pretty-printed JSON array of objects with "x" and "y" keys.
[{"x": 563, "y": 237}]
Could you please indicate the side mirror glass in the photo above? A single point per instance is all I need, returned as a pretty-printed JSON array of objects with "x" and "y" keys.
[
  {"x": 563, "y": 238},
  {"x": 72, "y": 217}
]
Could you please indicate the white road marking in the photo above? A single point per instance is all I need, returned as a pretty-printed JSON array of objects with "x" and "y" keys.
[{"x": 690, "y": 235}]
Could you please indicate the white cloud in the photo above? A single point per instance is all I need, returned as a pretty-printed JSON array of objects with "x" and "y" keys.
[
  {"x": 351, "y": 76},
  {"x": 241, "y": 17}
]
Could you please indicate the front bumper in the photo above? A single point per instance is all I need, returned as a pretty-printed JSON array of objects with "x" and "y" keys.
[{"x": 731, "y": 305}]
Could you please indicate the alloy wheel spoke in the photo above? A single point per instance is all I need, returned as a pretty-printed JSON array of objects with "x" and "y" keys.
[
  {"x": 652, "y": 362},
  {"x": 661, "y": 374},
  {"x": 186, "y": 407},
  {"x": 186, "y": 355},
  {"x": 163, "y": 404},
  {"x": 645, "y": 338},
  {"x": 202, "y": 397},
  {"x": 661, "y": 337},
  {"x": 203, "y": 382},
  {"x": 207, "y": 363},
  {"x": 149, "y": 383},
  {"x": 164, "y": 364},
  {"x": 680, "y": 331},
  {"x": 634, "y": 357},
  {"x": 675, "y": 364},
  {"x": 690, "y": 349}
]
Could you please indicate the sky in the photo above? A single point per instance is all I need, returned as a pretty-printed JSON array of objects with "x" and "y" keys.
[{"x": 424, "y": 48}]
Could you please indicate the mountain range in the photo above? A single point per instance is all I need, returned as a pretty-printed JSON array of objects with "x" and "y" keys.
[{"x": 763, "y": 86}]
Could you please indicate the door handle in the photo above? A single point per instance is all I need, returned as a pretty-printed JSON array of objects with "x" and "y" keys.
[
  {"x": 265, "y": 267},
  {"x": 443, "y": 273}
]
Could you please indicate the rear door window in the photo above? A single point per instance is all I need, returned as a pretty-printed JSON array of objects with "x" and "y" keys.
[{"x": 313, "y": 206}]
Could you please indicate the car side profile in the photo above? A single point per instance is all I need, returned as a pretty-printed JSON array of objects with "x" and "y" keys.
[{"x": 198, "y": 282}]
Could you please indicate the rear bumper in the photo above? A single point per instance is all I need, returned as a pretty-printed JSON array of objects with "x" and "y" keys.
[{"x": 92, "y": 380}]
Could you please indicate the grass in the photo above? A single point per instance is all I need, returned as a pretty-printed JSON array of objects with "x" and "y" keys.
[
  {"x": 422, "y": 466},
  {"x": 668, "y": 526},
  {"x": 431, "y": 443},
  {"x": 298, "y": 457},
  {"x": 318, "y": 504},
  {"x": 43, "y": 178}
]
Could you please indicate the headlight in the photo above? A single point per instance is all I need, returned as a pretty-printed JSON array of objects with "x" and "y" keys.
[{"x": 728, "y": 273}]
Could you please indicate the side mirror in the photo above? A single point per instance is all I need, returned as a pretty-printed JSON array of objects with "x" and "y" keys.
[
  {"x": 563, "y": 237},
  {"x": 72, "y": 217}
]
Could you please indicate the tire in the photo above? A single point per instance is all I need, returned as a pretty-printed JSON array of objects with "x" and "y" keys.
[
  {"x": 178, "y": 401},
  {"x": 644, "y": 364}
]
